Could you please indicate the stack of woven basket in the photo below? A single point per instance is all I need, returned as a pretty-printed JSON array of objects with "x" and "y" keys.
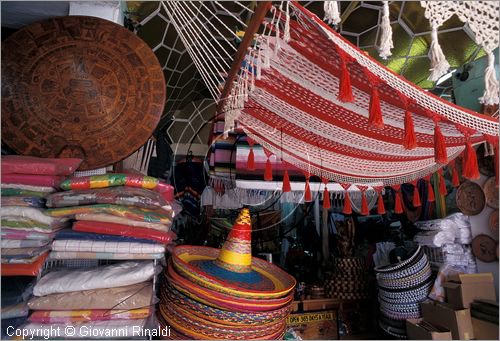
[
  {"x": 225, "y": 293},
  {"x": 349, "y": 279},
  {"x": 402, "y": 287}
]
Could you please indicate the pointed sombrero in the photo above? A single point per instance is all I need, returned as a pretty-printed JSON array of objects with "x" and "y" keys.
[{"x": 232, "y": 269}]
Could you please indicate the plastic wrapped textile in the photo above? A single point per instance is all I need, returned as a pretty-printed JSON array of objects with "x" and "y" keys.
[
  {"x": 75, "y": 235},
  {"x": 13, "y": 192},
  {"x": 31, "y": 225},
  {"x": 66, "y": 316},
  {"x": 27, "y": 252},
  {"x": 133, "y": 213},
  {"x": 16, "y": 310},
  {"x": 30, "y": 213},
  {"x": 32, "y": 180},
  {"x": 105, "y": 246},
  {"x": 115, "y": 179},
  {"x": 435, "y": 238},
  {"x": 112, "y": 329},
  {"x": 105, "y": 255},
  {"x": 32, "y": 269},
  {"x": 109, "y": 276},
  {"x": 124, "y": 230},
  {"x": 16, "y": 289},
  {"x": 12, "y": 261},
  {"x": 437, "y": 292},
  {"x": 108, "y": 218},
  {"x": 381, "y": 255},
  {"x": 19, "y": 164},
  {"x": 122, "y": 195},
  {"x": 15, "y": 244},
  {"x": 126, "y": 297},
  {"x": 43, "y": 189},
  {"x": 7, "y": 233},
  {"x": 23, "y": 201},
  {"x": 455, "y": 221}
]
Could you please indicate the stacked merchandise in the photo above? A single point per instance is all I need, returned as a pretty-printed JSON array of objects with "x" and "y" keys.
[
  {"x": 118, "y": 217},
  {"x": 349, "y": 280},
  {"x": 26, "y": 229},
  {"x": 447, "y": 242},
  {"x": 225, "y": 293},
  {"x": 111, "y": 301},
  {"x": 402, "y": 287},
  {"x": 16, "y": 290}
]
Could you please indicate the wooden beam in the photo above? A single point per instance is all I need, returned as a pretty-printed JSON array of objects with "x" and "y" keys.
[{"x": 252, "y": 28}]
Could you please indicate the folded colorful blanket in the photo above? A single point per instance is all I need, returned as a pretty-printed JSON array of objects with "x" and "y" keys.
[
  {"x": 27, "y": 252},
  {"x": 67, "y": 316},
  {"x": 19, "y": 164},
  {"x": 10, "y": 192},
  {"x": 32, "y": 269},
  {"x": 32, "y": 179},
  {"x": 23, "y": 201},
  {"x": 75, "y": 235},
  {"x": 115, "y": 179},
  {"x": 122, "y": 195},
  {"x": 16, "y": 310},
  {"x": 108, "y": 218},
  {"x": 125, "y": 297},
  {"x": 22, "y": 224},
  {"x": 29, "y": 188},
  {"x": 30, "y": 213},
  {"x": 133, "y": 213},
  {"x": 7, "y": 233},
  {"x": 109, "y": 276},
  {"x": 124, "y": 230},
  {"x": 105, "y": 255},
  {"x": 105, "y": 246},
  {"x": 15, "y": 244}
]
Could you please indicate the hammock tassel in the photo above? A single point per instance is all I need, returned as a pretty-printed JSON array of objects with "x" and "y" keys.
[
  {"x": 307, "y": 191},
  {"x": 386, "y": 43},
  {"x": 286, "y": 183},
  {"x": 347, "y": 204},
  {"x": 268, "y": 172},
  {"x": 491, "y": 87},
  {"x": 364, "y": 204},
  {"x": 380, "y": 202},
  {"x": 416, "y": 194},
  {"x": 439, "y": 64},
  {"x": 442, "y": 183},
  {"x": 251, "y": 157},
  {"x": 345, "y": 88},
  {"x": 455, "y": 179},
  {"x": 332, "y": 13},
  {"x": 398, "y": 203},
  {"x": 440, "y": 155},
  {"x": 430, "y": 190},
  {"x": 326, "y": 198},
  {"x": 470, "y": 167},
  {"x": 375, "y": 114},
  {"x": 410, "y": 141}
]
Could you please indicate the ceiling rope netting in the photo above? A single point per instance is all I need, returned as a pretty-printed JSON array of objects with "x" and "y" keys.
[{"x": 307, "y": 95}]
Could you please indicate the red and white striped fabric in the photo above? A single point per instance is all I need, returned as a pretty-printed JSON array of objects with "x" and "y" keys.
[{"x": 332, "y": 111}]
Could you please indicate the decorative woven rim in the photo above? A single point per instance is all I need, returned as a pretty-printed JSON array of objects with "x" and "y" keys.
[
  {"x": 183, "y": 255},
  {"x": 397, "y": 266}
]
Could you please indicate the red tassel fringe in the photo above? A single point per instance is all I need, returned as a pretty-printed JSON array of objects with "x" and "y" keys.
[
  {"x": 440, "y": 155},
  {"x": 364, "y": 204},
  {"x": 442, "y": 183},
  {"x": 345, "y": 88},
  {"x": 251, "y": 160},
  {"x": 286, "y": 183},
  {"x": 416, "y": 195},
  {"x": 398, "y": 204},
  {"x": 347, "y": 204},
  {"x": 380, "y": 204},
  {"x": 307, "y": 192},
  {"x": 470, "y": 169},
  {"x": 410, "y": 141},
  {"x": 326, "y": 198},
  {"x": 455, "y": 179},
  {"x": 430, "y": 190},
  {"x": 375, "y": 114},
  {"x": 268, "y": 172}
]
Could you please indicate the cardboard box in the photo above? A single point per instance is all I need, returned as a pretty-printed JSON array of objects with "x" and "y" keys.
[
  {"x": 463, "y": 289},
  {"x": 457, "y": 320},
  {"x": 484, "y": 330},
  {"x": 416, "y": 332},
  {"x": 315, "y": 326}
]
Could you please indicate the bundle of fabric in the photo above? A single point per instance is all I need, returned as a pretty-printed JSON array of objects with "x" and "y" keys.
[
  {"x": 118, "y": 216},
  {"x": 402, "y": 286},
  {"x": 113, "y": 297},
  {"x": 26, "y": 228},
  {"x": 225, "y": 293}
]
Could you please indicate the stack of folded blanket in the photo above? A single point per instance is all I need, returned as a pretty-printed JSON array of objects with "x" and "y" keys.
[
  {"x": 16, "y": 290},
  {"x": 26, "y": 230},
  {"x": 117, "y": 217},
  {"x": 97, "y": 302}
]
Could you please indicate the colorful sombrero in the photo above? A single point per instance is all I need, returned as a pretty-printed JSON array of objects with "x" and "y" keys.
[{"x": 232, "y": 270}]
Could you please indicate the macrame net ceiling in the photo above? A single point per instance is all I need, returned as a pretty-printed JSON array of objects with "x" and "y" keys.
[{"x": 310, "y": 97}]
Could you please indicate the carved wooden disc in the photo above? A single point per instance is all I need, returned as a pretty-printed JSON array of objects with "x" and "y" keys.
[
  {"x": 470, "y": 198},
  {"x": 493, "y": 223},
  {"x": 79, "y": 86},
  {"x": 484, "y": 248},
  {"x": 491, "y": 192}
]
